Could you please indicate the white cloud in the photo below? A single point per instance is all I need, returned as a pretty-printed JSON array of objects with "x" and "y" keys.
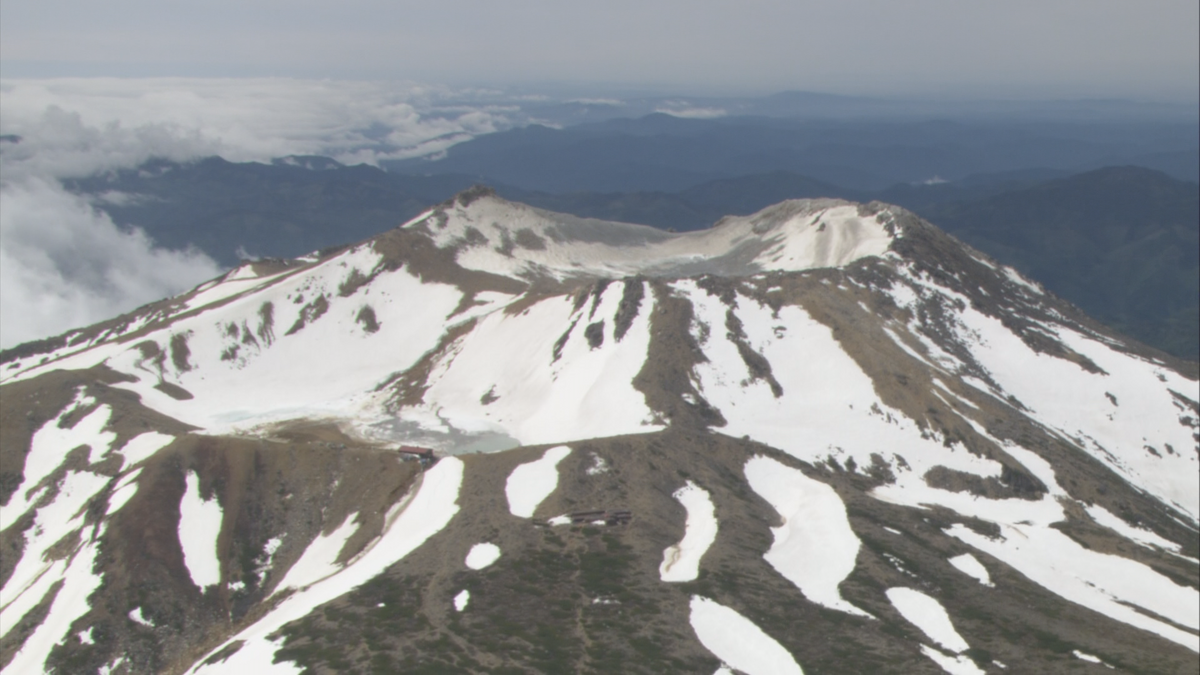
[
  {"x": 67, "y": 264},
  {"x": 64, "y": 265},
  {"x": 693, "y": 113}
]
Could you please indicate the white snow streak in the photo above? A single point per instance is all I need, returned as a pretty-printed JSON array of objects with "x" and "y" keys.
[
  {"x": 530, "y": 483},
  {"x": 970, "y": 566},
  {"x": 735, "y": 640},
  {"x": 681, "y": 562},
  {"x": 143, "y": 446},
  {"x": 408, "y": 525},
  {"x": 1098, "y": 581},
  {"x": 79, "y": 582},
  {"x": 927, "y": 614},
  {"x": 815, "y": 548},
  {"x": 199, "y": 527},
  {"x": 318, "y": 560}
]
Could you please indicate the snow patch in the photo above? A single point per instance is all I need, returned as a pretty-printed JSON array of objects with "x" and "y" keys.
[
  {"x": 482, "y": 555},
  {"x": 927, "y": 614},
  {"x": 318, "y": 560},
  {"x": 135, "y": 615},
  {"x": 970, "y": 566},
  {"x": 461, "y": 600},
  {"x": 735, "y": 640},
  {"x": 143, "y": 446},
  {"x": 815, "y": 548},
  {"x": 199, "y": 527},
  {"x": 681, "y": 562},
  {"x": 530, "y": 483}
]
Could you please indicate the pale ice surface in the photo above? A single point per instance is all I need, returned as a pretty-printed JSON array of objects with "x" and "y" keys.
[
  {"x": 735, "y": 640},
  {"x": 461, "y": 600},
  {"x": 681, "y": 562},
  {"x": 318, "y": 560},
  {"x": 408, "y": 525},
  {"x": 927, "y": 614},
  {"x": 970, "y": 566},
  {"x": 530, "y": 483},
  {"x": 199, "y": 527},
  {"x": 482, "y": 555},
  {"x": 814, "y": 548}
]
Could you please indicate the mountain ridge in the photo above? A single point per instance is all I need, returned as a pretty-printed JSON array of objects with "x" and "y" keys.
[{"x": 937, "y": 413}]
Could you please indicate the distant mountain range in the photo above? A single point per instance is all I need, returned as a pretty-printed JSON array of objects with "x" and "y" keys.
[
  {"x": 1120, "y": 242},
  {"x": 665, "y": 153}
]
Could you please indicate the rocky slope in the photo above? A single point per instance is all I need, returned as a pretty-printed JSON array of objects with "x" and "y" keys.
[{"x": 824, "y": 438}]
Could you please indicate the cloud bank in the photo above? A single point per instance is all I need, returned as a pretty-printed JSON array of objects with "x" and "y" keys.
[{"x": 66, "y": 264}]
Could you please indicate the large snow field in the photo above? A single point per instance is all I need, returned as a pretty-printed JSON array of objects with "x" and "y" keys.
[
  {"x": 530, "y": 483},
  {"x": 829, "y": 407},
  {"x": 789, "y": 236},
  {"x": 735, "y": 640},
  {"x": 325, "y": 368},
  {"x": 420, "y": 515},
  {"x": 681, "y": 562},
  {"x": 1126, "y": 416},
  {"x": 199, "y": 527},
  {"x": 814, "y": 548},
  {"x": 1109, "y": 584},
  {"x": 244, "y": 371},
  {"x": 530, "y": 395}
]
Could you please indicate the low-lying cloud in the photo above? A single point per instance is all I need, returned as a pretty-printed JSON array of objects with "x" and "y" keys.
[{"x": 65, "y": 264}]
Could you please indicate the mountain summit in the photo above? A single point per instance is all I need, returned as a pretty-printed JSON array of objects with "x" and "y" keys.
[{"x": 823, "y": 438}]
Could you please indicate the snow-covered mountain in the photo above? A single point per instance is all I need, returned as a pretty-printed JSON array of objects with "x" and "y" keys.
[{"x": 824, "y": 438}]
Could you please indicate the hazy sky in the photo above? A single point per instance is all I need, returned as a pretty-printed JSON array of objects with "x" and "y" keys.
[{"x": 1008, "y": 48}]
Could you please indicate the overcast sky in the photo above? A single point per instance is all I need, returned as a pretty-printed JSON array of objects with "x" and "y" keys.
[{"x": 960, "y": 48}]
